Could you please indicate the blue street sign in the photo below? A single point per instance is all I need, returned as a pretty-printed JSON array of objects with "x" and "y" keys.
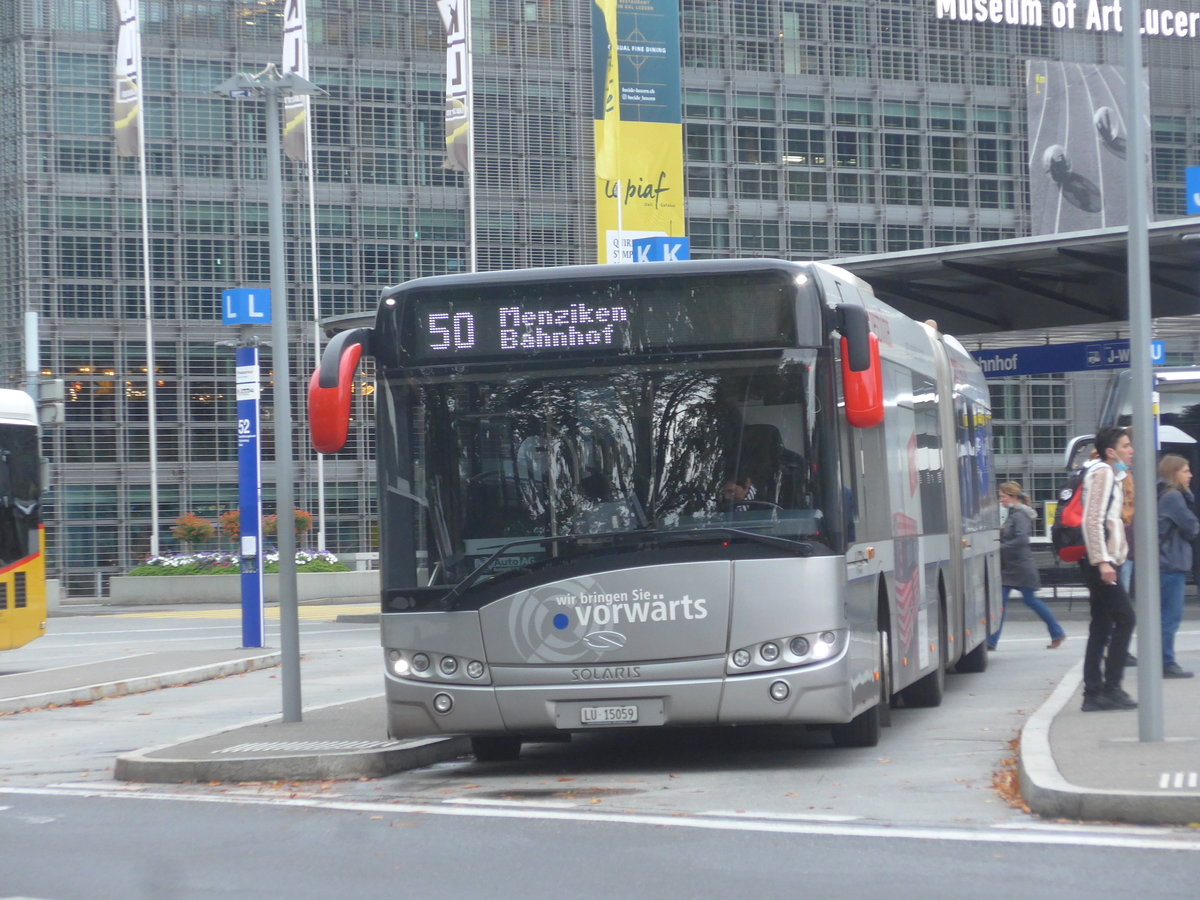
[
  {"x": 1045, "y": 359},
  {"x": 246, "y": 306},
  {"x": 249, "y": 496},
  {"x": 661, "y": 249},
  {"x": 1192, "y": 177}
]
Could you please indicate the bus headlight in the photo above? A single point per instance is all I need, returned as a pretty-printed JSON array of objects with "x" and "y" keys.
[
  {"x": 799, "y": 646},
  {"x": 475, "y": 669},
  {"x": 779, "y": 690},
  {"x": 741, "y": 658},
  {"x": 443, "y": 703},
  {"x": 420, "y": 662},
  {"x": 448, "y": 665},
  {"x": 769, "y": 651},
  {"x": 400, "y": 665}
]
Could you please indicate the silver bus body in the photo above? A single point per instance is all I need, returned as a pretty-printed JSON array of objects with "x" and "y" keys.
[{"x": 829, "y": 638}]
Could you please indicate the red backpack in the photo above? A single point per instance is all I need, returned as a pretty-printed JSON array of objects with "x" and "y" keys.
[{"x": 1066, "y": 534}]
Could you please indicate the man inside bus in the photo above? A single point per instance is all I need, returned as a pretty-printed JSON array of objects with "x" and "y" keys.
[
  {"x": 737, "y": 494},
  {"x": 1104, "y": 537}
]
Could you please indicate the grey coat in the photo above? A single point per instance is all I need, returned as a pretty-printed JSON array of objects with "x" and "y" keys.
[
  {"x": 1177, "y": 528},
  {"x": 1017, "y": 568}
]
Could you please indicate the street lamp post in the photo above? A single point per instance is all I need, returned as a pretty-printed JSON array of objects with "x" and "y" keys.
[{"x": 272, "y": 86}]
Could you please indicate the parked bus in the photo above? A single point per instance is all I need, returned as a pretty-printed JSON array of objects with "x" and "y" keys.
[
  {"x": 1178, "y": 423},
  {"x": 668, "y": 494},
  {"x": 22, "y": 564}
]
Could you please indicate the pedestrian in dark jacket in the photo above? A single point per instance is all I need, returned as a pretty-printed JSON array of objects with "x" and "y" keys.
[
  {"x": 1018, "y": 572},
  {"x": 1177, "y": 528}
]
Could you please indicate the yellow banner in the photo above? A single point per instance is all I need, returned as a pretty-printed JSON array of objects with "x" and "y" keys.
[{"x": 650, "y": 174}]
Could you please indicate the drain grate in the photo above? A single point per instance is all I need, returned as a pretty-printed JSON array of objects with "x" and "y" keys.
[
  {"x": 307, "y": 746},
  {"x": 1177, "y": 780}
]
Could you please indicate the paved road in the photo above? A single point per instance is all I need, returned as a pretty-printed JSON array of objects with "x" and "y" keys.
[{"x": 677, "y": 814}]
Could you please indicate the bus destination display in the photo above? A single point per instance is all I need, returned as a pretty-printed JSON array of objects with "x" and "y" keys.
[
  {"x": 477, "y": 329},
  {"x": 718, "y": 313}
]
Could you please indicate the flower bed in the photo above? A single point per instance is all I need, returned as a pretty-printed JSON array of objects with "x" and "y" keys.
[{"x": 221, "y": 563}]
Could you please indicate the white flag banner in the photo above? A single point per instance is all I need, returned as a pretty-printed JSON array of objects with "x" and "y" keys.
[
  {"x": 456, "y": 16},
  {"x": 127, "y": 79},
  {"x": 295, "y": 59}
]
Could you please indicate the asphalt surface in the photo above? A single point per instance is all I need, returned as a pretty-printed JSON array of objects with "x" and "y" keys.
[{"x": 1074, "y": 765}]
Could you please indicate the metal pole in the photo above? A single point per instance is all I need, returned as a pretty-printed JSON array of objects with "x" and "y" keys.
[
  {"x": 1145, "y": 475},
  {"x": 33, "y": 368},
  {"x": 285, "y": 504},
  {"x": 148, "y": 302}
]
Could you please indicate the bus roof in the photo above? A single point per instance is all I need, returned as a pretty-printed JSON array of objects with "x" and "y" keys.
[{"x": 17, "y": 407}]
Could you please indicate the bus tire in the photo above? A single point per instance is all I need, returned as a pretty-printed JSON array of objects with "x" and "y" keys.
[
  {"x": 496, "y": 747},
  {"x": 864, "y": 729},
  {"x": 861, "y": 731},
  {"x": 928, "y": 690}
]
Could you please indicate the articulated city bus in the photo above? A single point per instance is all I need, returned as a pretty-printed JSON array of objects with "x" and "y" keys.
[
  {"x": 22, "y": 565},
  {"x": 668, "y": 494}
]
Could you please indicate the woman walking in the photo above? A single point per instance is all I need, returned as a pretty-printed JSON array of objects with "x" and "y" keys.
[
  {"x": 1177, "y": 528},
  {"x": 1017, "y": 569}
]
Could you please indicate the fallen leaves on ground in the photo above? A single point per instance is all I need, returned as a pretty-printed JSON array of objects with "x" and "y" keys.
[{"x": 1005, "y": 780}]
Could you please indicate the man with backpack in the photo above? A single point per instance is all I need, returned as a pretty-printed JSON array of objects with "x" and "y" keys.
[{"x": 1107, "y": 548}]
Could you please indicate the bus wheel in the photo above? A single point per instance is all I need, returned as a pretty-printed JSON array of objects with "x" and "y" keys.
[
  {"x": 974, "y": 661},
  {"x": 496, "y": 747},
  {"x": 928, "y": 690},
  {"x": 863, "y": 730}
]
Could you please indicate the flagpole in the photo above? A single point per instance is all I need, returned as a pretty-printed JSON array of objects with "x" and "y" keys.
[
  {"x": 151, "y": 405},
  {"x": 316, "y": 301},
  {"x": 472, "y": 243},
  {"x": 129, "y": 112}
]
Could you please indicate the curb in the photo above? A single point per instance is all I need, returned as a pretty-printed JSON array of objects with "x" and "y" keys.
[
  {"x": 142, "y": 766},
  {"x": 140, "y": 684},
  {"x": 1051, "y": 796}
]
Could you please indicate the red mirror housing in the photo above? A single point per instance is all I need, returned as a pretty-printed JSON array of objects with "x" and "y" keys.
[
  {"x": 863, "y": 390},
  {"x": 330, "y": 390}
]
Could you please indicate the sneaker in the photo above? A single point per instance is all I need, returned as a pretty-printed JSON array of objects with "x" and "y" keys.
[
  {"x": 1130, "y": 661},
  {"x": 1098, "y": 703},
  {"x": 1174, "y": 670},
  {"x": 1119, "y": 698}
]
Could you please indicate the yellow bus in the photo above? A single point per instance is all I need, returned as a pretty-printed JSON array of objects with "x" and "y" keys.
[{"x": 22, "y": 561}]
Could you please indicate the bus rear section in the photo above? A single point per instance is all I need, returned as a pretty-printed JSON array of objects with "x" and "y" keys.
[{"x": 22, "y": 564}]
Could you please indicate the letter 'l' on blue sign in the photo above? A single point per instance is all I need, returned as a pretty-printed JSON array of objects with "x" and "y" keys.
[
  {"x": 246, "y": 306},
  {"x": 1192, "y": 174}
]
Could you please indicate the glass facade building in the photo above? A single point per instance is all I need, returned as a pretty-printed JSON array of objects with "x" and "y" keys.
[{"x": 810, "y": 130}]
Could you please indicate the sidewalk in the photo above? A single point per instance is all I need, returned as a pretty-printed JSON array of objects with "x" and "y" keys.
[{"x": 1092, "y": 766}]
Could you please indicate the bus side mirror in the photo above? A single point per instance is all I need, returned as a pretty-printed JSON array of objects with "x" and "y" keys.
[
  {"x": 329, "y": 391},
  {"x": 862, "y": 374}
]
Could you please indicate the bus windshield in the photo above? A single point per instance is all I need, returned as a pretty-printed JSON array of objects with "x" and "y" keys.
[
  {"x": 19, "y": 493},
  {"x": 600, "y": 459}
]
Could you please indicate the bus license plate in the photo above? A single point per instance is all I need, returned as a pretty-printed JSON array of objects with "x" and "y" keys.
[{"x": 608, "y": 715}]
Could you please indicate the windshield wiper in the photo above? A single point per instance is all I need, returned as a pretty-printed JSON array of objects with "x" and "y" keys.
[{"x": 612, "y": 538}]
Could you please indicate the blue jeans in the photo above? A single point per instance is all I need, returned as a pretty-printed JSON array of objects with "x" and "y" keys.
[
  {"x": 1031, "y": 600},
  {"x": 1170, "y": 586}
]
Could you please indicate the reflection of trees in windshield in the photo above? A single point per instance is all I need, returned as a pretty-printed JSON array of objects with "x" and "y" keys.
[{"x": 597, "y": 453}]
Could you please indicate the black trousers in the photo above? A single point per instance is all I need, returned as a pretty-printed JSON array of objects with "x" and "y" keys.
[{"x": 1112, "y": 614}]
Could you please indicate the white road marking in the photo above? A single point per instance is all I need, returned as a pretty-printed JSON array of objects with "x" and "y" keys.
[{"x": 760, "y": 825}]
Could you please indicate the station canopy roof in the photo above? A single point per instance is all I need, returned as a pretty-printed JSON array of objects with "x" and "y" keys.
[{"x": 1047, "y": 289}]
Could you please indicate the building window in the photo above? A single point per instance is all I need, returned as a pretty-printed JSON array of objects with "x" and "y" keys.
[
  {"x": 903, "y": 190},
  {"x": 807, "y": 185},
  {"x": 901, "y": 151},
  {"x": 807, "y": 239}
]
